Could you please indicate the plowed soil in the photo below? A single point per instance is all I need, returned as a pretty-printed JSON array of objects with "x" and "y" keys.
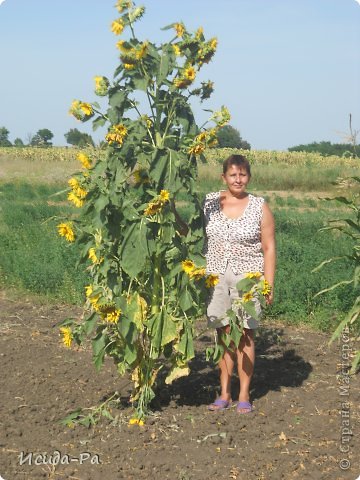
[{"x": 296, "y": 431}]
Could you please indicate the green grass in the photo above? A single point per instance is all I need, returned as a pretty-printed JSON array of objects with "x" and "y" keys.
[
  {"x": 300, "y": 248},
  {"x": 32, "y": 257},
  {"x": 22, "y": 192}
]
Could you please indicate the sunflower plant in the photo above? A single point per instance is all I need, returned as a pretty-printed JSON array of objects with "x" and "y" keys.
[
  {"x": 349, "y": 226},
  {"x": 136, "y": 248}
]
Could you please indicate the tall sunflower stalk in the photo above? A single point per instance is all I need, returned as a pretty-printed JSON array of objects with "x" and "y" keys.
[{"x": 142, "y": 301}]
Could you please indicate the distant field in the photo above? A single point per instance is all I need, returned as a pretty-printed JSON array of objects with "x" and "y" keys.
[
  {"x": 50, "y": 165},
  {"x": 34, "y": 259},
  {"x": 271, "y": 170}
]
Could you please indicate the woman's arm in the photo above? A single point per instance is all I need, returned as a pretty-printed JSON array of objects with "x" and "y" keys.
[{"x": 269, "y": 248}]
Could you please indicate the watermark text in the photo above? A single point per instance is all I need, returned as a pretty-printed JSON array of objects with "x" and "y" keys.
[
  {"x": 344, "y": 381},
  {"x": 57, "y": 458}
]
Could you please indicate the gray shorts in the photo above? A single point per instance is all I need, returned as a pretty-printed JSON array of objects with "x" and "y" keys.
[{"x": 221, "y": 298}]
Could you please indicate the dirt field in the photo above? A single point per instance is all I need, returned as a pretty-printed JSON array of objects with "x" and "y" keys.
[{"x": 295, "y": 431}]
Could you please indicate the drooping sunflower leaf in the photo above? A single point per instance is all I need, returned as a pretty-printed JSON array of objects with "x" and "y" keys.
[
  {"x": 162, "y": 329},
  {"x": 98, "y": 345},
  {"x": 132, "y": 252}
]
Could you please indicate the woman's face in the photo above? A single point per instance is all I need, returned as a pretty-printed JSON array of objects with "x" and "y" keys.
[{"x": 236, "y": 179}]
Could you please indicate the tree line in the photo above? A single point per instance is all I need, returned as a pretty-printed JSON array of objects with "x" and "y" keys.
[
  {"x": 227, "y": 136},
  {"x": 328, "y": 148},
  {"x": 43, "y": 137}
]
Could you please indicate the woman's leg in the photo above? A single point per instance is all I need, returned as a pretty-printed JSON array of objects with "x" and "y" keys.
[
  {"x": 219, "y": 303},
  {"x": 245, "y": 361},
  {"x": 226, "y": 366}
]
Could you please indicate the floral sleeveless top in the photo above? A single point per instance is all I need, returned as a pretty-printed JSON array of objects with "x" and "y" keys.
[{"x": 236, "y": 242}]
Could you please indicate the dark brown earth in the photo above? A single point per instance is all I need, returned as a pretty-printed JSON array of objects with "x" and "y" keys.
[{"x": 294, "y": 432}]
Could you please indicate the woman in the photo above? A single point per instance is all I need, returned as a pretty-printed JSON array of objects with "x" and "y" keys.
[{"x": 240, "y": 238}]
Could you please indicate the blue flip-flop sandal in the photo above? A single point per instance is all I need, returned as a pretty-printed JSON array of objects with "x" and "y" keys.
[
  {"x": 241, "y": 406},
  {"x": 219, "y": 404}
]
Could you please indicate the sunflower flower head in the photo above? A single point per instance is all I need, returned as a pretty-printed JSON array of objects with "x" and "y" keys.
[
  {"x": 180, "y": 29},
  {"x": 116, "y": 134},
  {"x": 81, "y": 110},
  {"x": 122, "y": 5},
  {"x": 92, "y": 255},
  {"x": 190, "y": 73},
  {"x": 86, "y": 108},
  {"x": 177, "y": 50},
  {"x": 112, "y": 316},
  {"x": 73, "y": 183},
  {"x": 93, "y": 299},
  {"x": 206, "y": 52},
  {"x": 67, "y": 336},
  {"x": 129, "y": 66},
  {"x": 266, "y": 289},
  {"x": 158, "y": 203},
  {"x": 202, "y": 140},
  {"x": 117, "y": 26},
  {"x": 212, "y": 140},
  {"x": 202, "y": 137},
  {"x": 197, "y": 149},
  {"x": 247, "y": 297},
  {"x": 164, "y": 196},
  {"x": 65, "y": 230},
  {"x": 81, "y": 192},
  {"x": 198, "y": 273},
  {"x": 88, "y": 290},
  {"x": 77, "y": 194},
  {"x": 211, "y": 280},
  {"x": 253, "y": 275},
  {"x": 142, "y": 50},
  {"x": 199, "y": 34},
  {"x": 84, "y": 160},
  {"x": 101, "y": 86},
  {"x": 75, "y": 110},
  {"x": 213, "y": 42},
  {"x": 136, "y": 421},
  {"x": 188, "y": 266},
  {"x": 73, "y": 198},
  {"x": 123, "y": 46},
  {"x": 181, "y": 82},
  {"x": 152, "y": 208}
]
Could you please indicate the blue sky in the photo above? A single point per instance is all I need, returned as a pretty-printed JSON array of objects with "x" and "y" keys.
[{"x": 288, "y": 70}]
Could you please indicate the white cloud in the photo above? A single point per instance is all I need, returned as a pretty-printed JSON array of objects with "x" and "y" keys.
[
  {"x": 358, "y": 1},
  {"x": 2, "y": 1}
]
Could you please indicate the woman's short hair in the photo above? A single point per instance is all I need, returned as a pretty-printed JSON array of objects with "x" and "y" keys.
[{"x": 238, "y": 161}]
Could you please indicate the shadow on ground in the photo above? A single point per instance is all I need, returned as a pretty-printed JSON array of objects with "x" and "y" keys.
[{"x": 276, "y": 366}]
